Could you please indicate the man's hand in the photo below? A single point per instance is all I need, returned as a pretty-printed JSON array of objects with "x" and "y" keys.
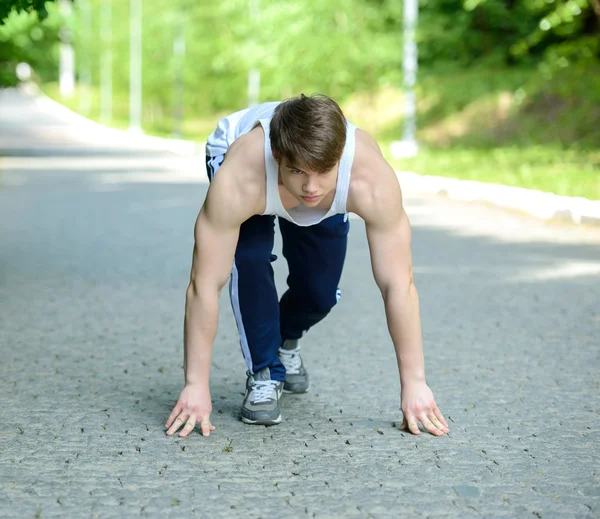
[
  {"x": 418, "y": 405},
  {"x": 194, "y": 405}
]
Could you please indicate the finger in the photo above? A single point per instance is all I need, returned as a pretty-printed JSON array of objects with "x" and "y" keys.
[
  {"x": 179, "y": 421},
  {"x": 404, "y": 424},
  {"x": 440, "y": 416},
  {"x": 430, "y": 427},
  {"x": 411, "y": 423},
  {"x": 206, "y": 426},
  {"x": 437, "y": 423},
  {"x": 176, "y": 410},
  {"x": 188, "y": 427},
  {"x": 413, "y": 427}
]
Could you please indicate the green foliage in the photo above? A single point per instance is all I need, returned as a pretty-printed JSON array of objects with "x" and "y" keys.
[
  {"x": 565, "y": 30},
  {"x": 28, "y": 6},
  {"x": 308, "y": 45},
  {"x": 23, "y": 38},
  {"x": 507, "y": 30}
]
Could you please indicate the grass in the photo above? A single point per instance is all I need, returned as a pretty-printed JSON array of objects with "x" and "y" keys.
[
  {"x": 518, "y": 127},
  {"x": 521, "y": 127},
  {"x": 491, "y": 107},
  {"x": 563, "y": 172}
]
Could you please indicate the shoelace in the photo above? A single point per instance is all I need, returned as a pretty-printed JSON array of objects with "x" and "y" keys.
[
  {"x": 291, "y": 360},
  {"x": 263, "y": 390}
]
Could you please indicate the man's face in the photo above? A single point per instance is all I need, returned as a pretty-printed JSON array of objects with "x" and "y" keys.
[{"x": 308, "y": 187}]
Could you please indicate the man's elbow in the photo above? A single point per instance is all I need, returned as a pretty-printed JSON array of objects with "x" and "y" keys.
[
  {"x": 197, "y": 288},
  {"x": 402, "y": 285},
  {"x": 192, "y": 291}
]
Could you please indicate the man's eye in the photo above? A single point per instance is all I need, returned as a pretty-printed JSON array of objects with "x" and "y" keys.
[{"x": 296, "y": 171}]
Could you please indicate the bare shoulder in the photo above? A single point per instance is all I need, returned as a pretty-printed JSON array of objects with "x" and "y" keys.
[
  {"x": 374, "y": 193},
  {"x": 238, "y": 190}
]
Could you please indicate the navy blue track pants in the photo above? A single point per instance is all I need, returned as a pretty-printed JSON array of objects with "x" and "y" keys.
[{"x": 315, "y": 257}]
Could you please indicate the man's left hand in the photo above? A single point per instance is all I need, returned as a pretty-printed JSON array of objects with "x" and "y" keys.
[{"x": 418, "y": 405}]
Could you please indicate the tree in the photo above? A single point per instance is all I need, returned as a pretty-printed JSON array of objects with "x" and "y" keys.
[
  {"x": 24, "y": 38},
  {"x": 39, "y": 6}
]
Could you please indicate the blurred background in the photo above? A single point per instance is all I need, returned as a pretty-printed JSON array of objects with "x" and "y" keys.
[{"x": 506, "y": 91}]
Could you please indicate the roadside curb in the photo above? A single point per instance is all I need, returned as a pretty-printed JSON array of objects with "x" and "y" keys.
[{"x": 539, "y": 204}]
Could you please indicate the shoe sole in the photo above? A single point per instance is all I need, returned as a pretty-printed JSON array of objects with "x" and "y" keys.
[
  {"x": 290, "y": 392},
  {"x": 262, "y": 422}
]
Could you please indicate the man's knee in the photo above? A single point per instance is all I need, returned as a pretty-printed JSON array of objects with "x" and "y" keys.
[
  {"x": 252, "y": 257},
  {"x": 321, "y": 302}
]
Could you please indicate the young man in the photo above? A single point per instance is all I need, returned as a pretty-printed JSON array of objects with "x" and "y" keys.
[{"x": 302, "y": 161}]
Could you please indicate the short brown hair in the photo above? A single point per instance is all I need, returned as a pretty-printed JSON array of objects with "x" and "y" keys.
[{"x": 309, "y": 131}]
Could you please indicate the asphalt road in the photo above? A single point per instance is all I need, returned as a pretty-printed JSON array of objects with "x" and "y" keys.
[{"x": 95, "y": 250}]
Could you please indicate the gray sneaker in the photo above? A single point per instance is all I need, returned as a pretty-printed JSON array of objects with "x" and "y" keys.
[
  {"x": 261, "y": 403},
  {"x": 296, "y": 377}
]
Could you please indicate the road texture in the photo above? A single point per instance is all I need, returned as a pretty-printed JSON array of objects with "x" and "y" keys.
[{"x": 95, "y": 250}]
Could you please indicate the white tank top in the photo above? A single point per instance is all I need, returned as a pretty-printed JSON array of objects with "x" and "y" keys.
[{"x": 235, "y": 125}]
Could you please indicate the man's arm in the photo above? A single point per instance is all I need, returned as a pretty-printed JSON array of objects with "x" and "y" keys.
[
  {"x": 389, "y": 244},
  {"x": 231, "y": 200},
  {"x": 215, "y": 241},
  {"x": 379, "y": 203}
]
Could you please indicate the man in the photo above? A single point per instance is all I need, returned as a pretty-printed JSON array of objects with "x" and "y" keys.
[{"x": 302, "y": 161}]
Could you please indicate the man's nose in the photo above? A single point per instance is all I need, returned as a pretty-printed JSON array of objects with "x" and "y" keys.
[{"x": 311, "y": 185}]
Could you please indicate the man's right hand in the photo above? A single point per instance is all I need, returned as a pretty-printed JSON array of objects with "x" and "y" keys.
[{"x": 194, "y": 405}]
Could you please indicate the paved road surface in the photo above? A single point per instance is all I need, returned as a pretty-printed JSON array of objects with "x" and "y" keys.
[{"x": 95, "y": 250}]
